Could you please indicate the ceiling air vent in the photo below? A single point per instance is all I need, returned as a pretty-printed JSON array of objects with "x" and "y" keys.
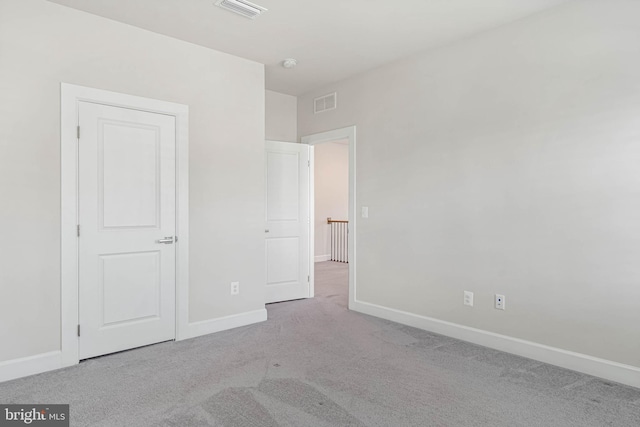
[
  {"x": 241, "y": 7},
  {"x": 325, "y": 103}
]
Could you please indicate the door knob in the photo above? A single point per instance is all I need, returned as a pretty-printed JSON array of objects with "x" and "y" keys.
[
  {"x": 166, "y": 240},
  {"x": 266, "y": 231}
]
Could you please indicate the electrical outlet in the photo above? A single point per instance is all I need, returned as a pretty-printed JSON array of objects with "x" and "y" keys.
[
  {"x": 235, "y": 288},
  {"x": 365, "y": 212},
  {"x": 468, "y": 298},
  {"x": 500, "y": 302}
]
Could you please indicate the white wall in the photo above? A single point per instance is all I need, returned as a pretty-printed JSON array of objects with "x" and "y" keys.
[
  {"x": 281, "y": 121},
  {"x": 43, "y": 44},
  {"x": 506, "y": 163},
  {"x": 331, "y": 180}
]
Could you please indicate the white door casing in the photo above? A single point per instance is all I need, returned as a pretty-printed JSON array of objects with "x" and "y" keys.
[
  {"x": 287, "y": 219},
  {"x": 72, "y": 97},
  {"x": 348, "y": 133},
  {"x": 126, "y": 205}
]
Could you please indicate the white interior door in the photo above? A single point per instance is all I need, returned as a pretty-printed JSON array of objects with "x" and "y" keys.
[
  {"x": 287, "y": 221},
  {"x": 126, "y": 212}
]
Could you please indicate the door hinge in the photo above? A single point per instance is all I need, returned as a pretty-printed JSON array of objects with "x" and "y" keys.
[
  {"x": 78, "y": 330},
  {"x": 78, "y": 230},
  {"x": 308, "y": 279},
  {"x": 309, "y": 163},
  {"x": 78, "y": 131}
]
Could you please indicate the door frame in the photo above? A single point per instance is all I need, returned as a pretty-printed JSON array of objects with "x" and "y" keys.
[
  {"x": 70, "y": 96},
  {"x": 348, "y": 133}
]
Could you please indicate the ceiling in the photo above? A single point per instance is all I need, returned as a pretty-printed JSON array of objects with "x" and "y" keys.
[{"x": 331, "y": 39}]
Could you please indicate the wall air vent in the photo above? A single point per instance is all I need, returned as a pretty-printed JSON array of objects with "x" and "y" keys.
[
  {"x": 325, "y": 103},
  {"x": 241, "y": 7}
]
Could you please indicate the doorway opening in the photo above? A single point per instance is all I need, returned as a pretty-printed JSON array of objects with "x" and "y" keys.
[
  {"x": 333, "y": 196},
  {"x": 331, "y": 224}
]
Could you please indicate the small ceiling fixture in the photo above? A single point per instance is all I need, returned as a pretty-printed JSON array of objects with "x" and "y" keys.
[
  {"x": 242, "y": 7},
  {"x": 289, "y": 63}
]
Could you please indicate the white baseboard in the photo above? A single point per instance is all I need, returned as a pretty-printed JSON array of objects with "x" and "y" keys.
[
  {"x": 322, "y": 258},
  {"x": 206, "y": 327},
  {"x": 25, "y": 366},
  {"x": 613, "y": 371}
]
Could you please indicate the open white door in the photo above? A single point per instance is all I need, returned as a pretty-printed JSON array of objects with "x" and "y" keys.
[
  {"x": 127, "y": 214},
  {"x": 288, "y": 227}
]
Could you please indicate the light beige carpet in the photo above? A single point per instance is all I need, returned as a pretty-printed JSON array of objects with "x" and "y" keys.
[{"x": 313, "y": 363}]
